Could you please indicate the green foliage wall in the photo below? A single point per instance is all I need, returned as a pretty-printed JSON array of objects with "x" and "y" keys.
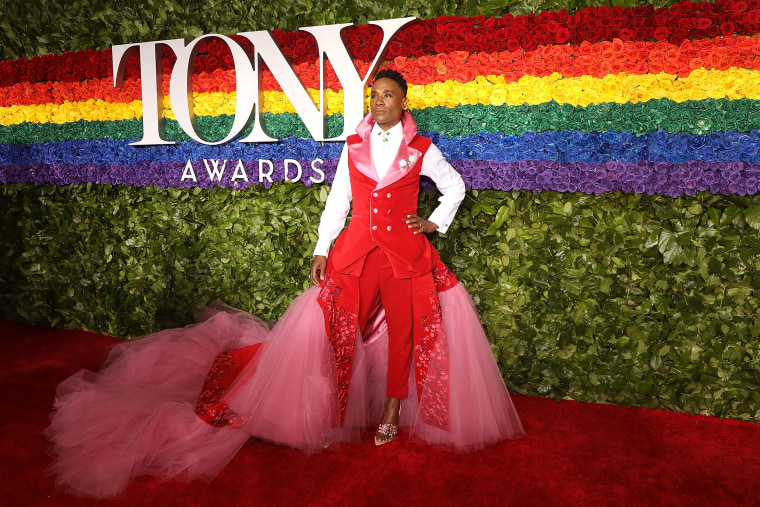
[{"x": 630, "y": 299}]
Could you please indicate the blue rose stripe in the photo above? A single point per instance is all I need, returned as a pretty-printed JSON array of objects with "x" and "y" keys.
[
  {"x": 564, "y": 146},
  {"x": 597, "y": 148},
  {"x": 647, "y": 177}
]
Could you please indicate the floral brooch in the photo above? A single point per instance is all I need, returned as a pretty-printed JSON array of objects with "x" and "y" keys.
[{"x": 403, "y": 164}]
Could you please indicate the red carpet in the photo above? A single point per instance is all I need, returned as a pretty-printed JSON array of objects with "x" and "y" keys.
[{"x": 574, "y": 454}]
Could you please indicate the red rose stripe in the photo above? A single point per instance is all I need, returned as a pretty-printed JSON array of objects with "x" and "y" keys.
[{"x": 685, "y": 21}]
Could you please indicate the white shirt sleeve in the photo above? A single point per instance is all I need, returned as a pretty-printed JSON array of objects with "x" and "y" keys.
[
  {"x": 449, "y": 182},
  {"x": 336, "y": 208}
]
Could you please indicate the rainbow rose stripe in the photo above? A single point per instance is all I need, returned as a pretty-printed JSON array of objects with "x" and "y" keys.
[
  {"x": 654, "y": 163},
  {"x": 583, "y": 91},
  {"x": 564, "y": 146},
  {"x": 638, "y": 100},
  {"x": 645, "y": 177},
  {"x": 595, "y": 60},
  {"x": 697, "y": 117}
]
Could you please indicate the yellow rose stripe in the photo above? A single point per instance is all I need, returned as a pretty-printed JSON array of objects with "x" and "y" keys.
[
  {"x": 492, "y": 90},
  {"x": 585, "y": 90},
  {"x": 205, "y": 104}
]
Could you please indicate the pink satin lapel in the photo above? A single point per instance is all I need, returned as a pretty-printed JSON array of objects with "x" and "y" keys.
[
  {"x": 361, "y": 156},
  {"x": 398, "y": 170},
  {"x": 361, "y": 153},
  {"x": 407, "y": 157}
]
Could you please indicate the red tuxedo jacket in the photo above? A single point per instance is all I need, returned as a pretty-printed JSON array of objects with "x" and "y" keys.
[{"x": 379, "y": 216}]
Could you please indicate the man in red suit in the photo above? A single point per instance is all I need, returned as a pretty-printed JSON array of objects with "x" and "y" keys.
[{"x": 384, "y": 252}]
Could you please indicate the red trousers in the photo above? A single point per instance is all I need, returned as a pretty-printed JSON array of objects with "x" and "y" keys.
[{"x": 396, "y": 296}]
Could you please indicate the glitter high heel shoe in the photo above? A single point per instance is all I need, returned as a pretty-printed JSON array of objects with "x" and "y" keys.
[{"x": 386, "y": 430}]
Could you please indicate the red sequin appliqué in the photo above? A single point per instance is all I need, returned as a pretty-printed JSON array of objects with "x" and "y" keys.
[
  {"x": 432, "y": 353},
  {"x": 443, "y": 277},
  {"x": 341, "y": 325},
  {"x": 209, "y": 407}
]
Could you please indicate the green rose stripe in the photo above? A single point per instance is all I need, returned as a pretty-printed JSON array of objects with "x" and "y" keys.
[
  {"x": 695, "y": 117},
  {"x": 211, "y": 127}
]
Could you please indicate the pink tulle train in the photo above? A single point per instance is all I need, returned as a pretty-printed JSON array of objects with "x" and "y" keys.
[{"x": 137, "y": 415}]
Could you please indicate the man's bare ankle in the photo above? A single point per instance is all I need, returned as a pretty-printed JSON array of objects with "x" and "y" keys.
[{"x": 392, "y": 409}]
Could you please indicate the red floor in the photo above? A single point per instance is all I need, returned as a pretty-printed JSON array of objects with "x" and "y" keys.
[{"x": 573, "y": 454}]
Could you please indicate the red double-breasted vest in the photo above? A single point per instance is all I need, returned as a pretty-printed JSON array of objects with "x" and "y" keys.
[{"x": 379, "y": 220}]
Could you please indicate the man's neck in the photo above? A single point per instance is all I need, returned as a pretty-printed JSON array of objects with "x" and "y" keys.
[{"x": 387, "y": 126}]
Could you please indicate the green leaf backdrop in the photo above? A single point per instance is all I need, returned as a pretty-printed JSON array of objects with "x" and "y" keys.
[
  {"x": 622, "y": 298},
  {"x": 630, "y": 299}
]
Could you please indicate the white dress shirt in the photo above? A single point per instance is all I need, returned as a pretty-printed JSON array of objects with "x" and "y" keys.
[{"x": 434, "y": 166}]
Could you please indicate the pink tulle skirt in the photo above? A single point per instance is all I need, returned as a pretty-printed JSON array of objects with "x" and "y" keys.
[{"x": 137, "y": 415}]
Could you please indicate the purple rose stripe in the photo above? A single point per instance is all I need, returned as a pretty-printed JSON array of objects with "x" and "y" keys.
[
  {"x": 168, "y": 174},
  {"x": 644, "y": 177},
  {"x": 641, "y": 177}
]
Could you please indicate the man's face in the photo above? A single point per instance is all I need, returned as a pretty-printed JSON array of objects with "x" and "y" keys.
[{"x": 387, "y": 103}]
